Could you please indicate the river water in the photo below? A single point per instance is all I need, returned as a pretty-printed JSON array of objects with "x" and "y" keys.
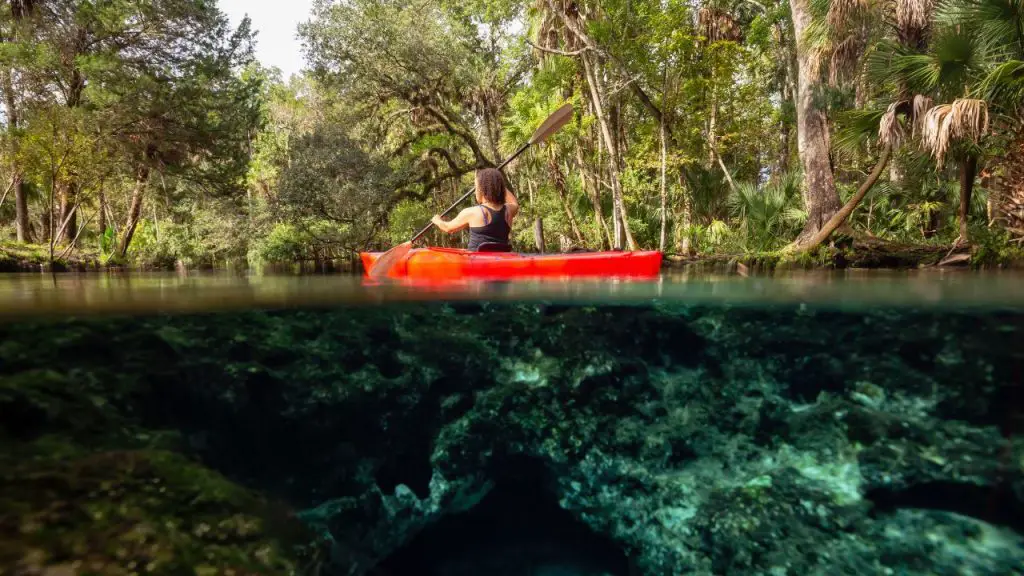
[
  {"x": 807, "y": 423},
  {"x": 33, "y": 294}
]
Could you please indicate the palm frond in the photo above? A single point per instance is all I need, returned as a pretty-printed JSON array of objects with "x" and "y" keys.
[
  {"x": 918, "y": 72},
  {"x": 913, "y": 17},
  {"x": 718, "y": 25},
  {"x": 956, "y": 54},
  {"x": 845, "y": 57},
  {"x": 843, "y": 13},
  {"x": 996, "y": 24},
  {"x": 890, "y": 129},
  {"x": 855, "y": 128},
  {"x": 795, "y": 216},
  {"x": 878, "y": 63},
  {"x": 1004, "y": 84},
  {"x": 921, "y": 106},
  {"x": 970, "y": 118},
  {"x": 964, "y": 119},
  {"x": 936, "y": 131},
  {"x": 768, "y": 213},
  {"x": 817, "y": 42}
]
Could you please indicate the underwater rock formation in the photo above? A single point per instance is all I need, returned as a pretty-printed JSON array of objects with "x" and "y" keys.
[{"x": 692, "y": 440}]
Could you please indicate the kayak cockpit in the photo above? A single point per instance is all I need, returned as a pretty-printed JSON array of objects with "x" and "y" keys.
[{"x": 494, "y": 247}]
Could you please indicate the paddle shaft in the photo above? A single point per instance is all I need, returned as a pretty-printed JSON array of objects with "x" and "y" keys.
[{"x": 469, "y": 193}]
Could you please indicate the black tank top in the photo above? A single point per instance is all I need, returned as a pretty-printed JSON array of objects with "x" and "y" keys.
[{"x": 497, "y": 230}]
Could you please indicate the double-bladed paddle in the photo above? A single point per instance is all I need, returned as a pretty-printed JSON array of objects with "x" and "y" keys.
[{"x": 383, "y": 265}]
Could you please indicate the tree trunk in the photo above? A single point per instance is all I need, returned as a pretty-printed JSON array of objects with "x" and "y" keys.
[
  {"x": 69, "y": 191},
  {"x": 621, "y": 216},
  {"x": 21, "y": 219},
  {"x": 594, "y": 193},
  {"x": 134, "y": 210},
  {"x": 538, "y": 234},
  {"x": 897, "y": 173},
  {"x": 664, "y": 187},
  {"x": 44, "y": 225},
  {"x": 103, "y": 212},
  {"x": 820, "y": 198},
  {"x": 686, "y": 216},
  {"x": 968, "y": 170},
  {"x": 68, "y": 200},
  {"x": 789, "y": 89},
  {"x": 562, "y": 189},
  {"x": 1010, "y": 203},
  {"x": 712, "y": 124},
  {"x": 713, "y": 156},
  {"x": 785, "y": 127},
  {"x": 606, "y": 139}
]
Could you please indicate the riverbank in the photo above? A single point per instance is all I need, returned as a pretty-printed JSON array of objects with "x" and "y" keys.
[
  {"x": 29, "y": 258},
  {"x": 16, "y": 257},
  {"x": 862, "y": 254},
  {"x": 866, "y": 254}
]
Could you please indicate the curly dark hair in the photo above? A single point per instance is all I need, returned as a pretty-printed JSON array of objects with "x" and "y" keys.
[{"x": 490, "y": 183}]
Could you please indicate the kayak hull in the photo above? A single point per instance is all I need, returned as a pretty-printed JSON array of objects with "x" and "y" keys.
[{"x": 457, "y": 264}]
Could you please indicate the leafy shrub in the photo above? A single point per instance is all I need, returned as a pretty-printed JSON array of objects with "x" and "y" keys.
[{"x": 284, "y": 243}]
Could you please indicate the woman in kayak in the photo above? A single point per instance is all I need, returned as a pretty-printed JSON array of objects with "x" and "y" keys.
[{"x": 491, "y": 219}]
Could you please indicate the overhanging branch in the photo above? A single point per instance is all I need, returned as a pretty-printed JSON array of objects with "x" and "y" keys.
[{"x": 558, "y": 52}]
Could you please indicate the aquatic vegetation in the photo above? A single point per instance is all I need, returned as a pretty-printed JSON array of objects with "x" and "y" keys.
[
  {"x": 693, "y": 439},
  {"x": 139, "y": 511}
]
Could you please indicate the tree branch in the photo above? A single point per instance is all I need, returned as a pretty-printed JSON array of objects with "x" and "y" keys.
[
  {"x": 451, "y": 161},
  {"x": 590, "y": 44},
  {"x": 725, "y": 171},
  {"x": 839, "y": 217},
  {"x": 465, "y": 136},
  {"x": 558, "y": 52},
  {"x": 419, "y": 134},
  {"x": 8, "y": 191},
  {"x": 74, "y": 241}
]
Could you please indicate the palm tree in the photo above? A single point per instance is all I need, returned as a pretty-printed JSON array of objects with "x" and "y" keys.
[
  {"x": 769, "y": 213},
  {"x": 950, "y": 77},
  {"x": 997, "y": 30},
  {"x": 973, "y": 69}
]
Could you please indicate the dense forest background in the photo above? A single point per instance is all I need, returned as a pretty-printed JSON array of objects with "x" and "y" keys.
[{"x": 144, "y": 130}]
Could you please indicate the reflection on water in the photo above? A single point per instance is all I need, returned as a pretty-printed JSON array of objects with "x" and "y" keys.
[{"x": 22, "y": 294}]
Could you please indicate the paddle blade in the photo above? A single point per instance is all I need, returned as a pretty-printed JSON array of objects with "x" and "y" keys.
[
  {"x": 554, "y": 122},
  {"x": 389, "y": 260}
]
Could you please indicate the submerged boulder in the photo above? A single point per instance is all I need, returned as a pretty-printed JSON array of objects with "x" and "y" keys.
[{"x": 68, "y": 511}]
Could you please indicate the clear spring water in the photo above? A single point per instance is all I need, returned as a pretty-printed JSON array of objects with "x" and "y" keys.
[{"x": 820, "y": 423}]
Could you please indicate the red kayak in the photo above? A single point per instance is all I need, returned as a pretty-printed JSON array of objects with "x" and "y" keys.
[{"x": 458, "y": 264}]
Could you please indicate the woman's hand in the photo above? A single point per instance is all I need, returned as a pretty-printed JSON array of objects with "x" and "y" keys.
[{"x": 455, "y": 224}]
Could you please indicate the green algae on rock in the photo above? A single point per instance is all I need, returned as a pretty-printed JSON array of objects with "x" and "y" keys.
[
  {"x": 699, "y": 439},
  {"x": 139, "y": 511}
]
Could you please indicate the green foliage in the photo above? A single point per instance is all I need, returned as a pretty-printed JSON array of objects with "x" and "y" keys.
[
  {"x": 402, "y": 101},
  {"x": 406, "y": 219},
  {"x": 995, "y": 248},
  {"x": 284, "y": 243},
  {"x": 148, "y": 248},
  {"x": 770, "y": 215}
]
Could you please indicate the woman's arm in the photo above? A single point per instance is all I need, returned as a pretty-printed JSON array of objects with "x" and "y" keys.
[
  {"x": 511, "y": 204},
  {"x": 455, "y": 224}
]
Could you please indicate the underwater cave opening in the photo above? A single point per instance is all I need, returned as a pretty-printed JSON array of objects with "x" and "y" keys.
[
  {"x": 518, "y": 529},
  {"x": 999, "y": 504}
]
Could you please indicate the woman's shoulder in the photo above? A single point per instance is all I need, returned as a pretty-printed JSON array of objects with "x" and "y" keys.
[{"x": 471, "y": 214}]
